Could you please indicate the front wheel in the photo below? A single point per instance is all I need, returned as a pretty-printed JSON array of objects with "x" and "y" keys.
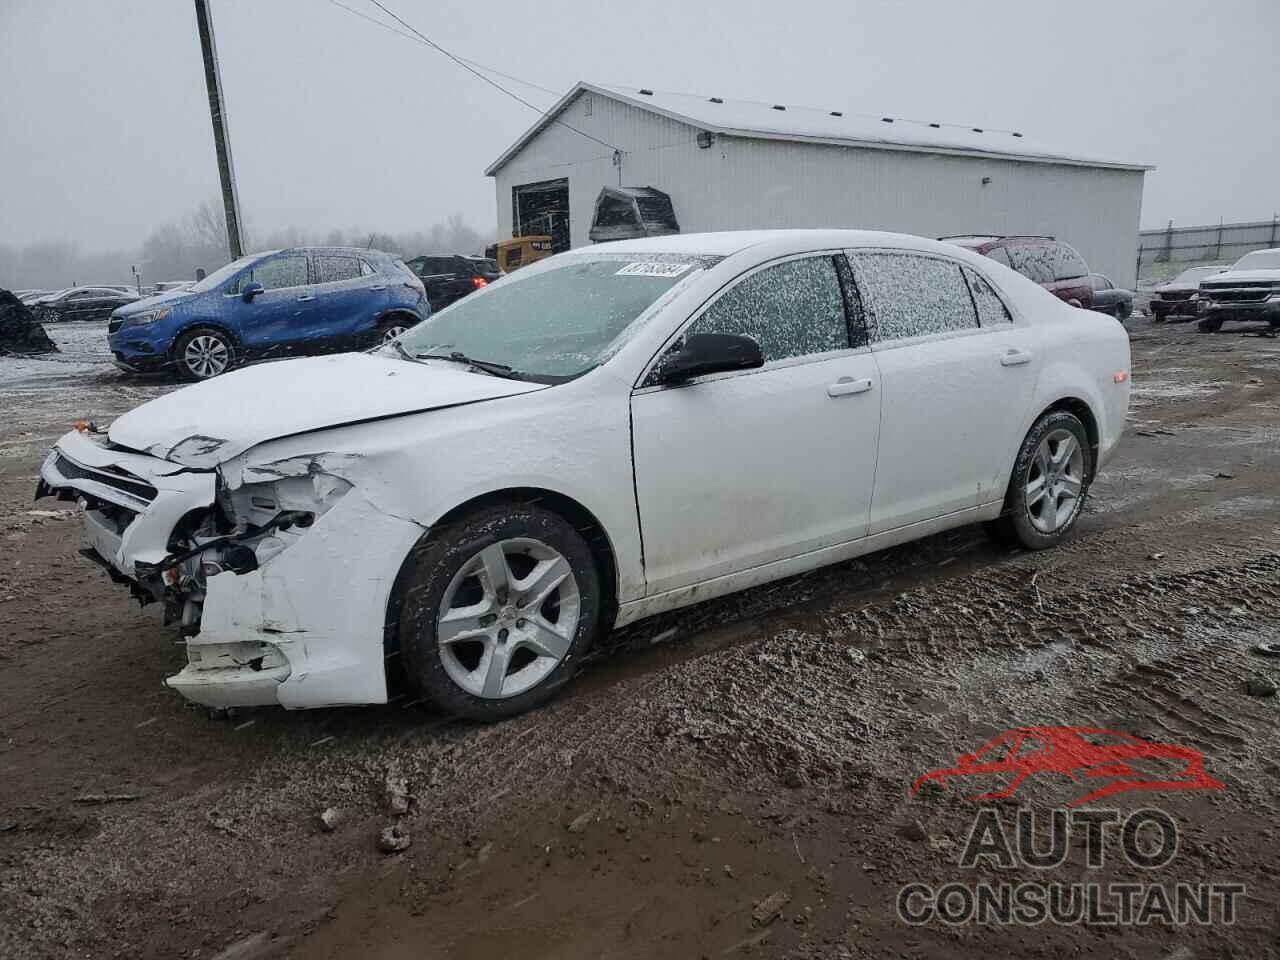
[
  {"x": 202, "y": 353},
  {"x": 1210, "y": 324},
  {"x": 1049, "y": 484},
  {"x": 500, "y": 607},
  {"x": 388, "y": 330}
]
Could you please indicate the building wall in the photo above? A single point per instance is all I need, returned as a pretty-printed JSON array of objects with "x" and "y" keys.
[{"x": 746, "y": 183}]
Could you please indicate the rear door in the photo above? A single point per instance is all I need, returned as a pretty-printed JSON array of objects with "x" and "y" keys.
[
  {"x": 958, "y": 374},
  {"x": 741, "y": 469},
  {"x": 349, "y": 295},
  {"x": 271, "y": 323}
]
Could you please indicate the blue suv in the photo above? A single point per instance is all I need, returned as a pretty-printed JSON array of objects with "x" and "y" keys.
[{"x": 280, "y": 303}]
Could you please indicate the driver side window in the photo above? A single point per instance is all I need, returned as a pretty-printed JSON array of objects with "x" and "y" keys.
[
  {"x": 791, "y": 309},
  {"x": 278, "y": 273}
]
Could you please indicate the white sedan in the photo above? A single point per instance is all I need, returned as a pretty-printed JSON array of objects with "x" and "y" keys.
[{"x": 611, "y": 433}]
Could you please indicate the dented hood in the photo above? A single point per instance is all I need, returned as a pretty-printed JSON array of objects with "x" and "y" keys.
[{"x": 211, "y": 422}]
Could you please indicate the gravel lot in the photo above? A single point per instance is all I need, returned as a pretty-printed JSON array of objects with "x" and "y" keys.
[{"x": 764, "y": 744}]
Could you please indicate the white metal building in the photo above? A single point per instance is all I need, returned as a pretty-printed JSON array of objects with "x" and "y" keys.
[{"x": 733, "y": 164}]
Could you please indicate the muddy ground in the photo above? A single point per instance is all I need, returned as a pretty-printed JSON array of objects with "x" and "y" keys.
[{"x": 730, "y": 781}]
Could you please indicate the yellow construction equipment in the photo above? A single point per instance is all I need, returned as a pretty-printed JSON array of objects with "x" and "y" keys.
[{"x": 516, "y": 253}]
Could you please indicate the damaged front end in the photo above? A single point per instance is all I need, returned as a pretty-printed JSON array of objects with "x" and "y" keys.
[{"x": 168, "y": 532}]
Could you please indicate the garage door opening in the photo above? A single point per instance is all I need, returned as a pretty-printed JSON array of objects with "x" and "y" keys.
[{"x": 542, "y": 209}]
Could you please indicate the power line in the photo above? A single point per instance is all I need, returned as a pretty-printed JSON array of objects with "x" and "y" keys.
[
  {"x": 489, "y": 80},
  {"x": 408, "y": 36}
]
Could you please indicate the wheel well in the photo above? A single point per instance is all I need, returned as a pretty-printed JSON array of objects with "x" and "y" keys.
[
  {"x": 1082, "y": 411},
  {"x": 583, "y": 521},
  {"x": 211, "y": 324},
  {"x": 411, "y": 318}
]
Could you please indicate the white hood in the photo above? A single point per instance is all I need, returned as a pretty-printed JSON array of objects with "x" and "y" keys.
[
  {"x": 1236, "y": 276},
  {"x": 209, "y": 423}
]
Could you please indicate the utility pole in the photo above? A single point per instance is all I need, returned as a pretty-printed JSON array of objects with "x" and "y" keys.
[{"x": 221, "y": 141}]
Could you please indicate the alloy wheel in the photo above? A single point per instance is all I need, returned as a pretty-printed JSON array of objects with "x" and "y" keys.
[
  {"x": 508, "y": 618},
  {"x": 207, "y": 356},
  {"x": 1055, "y": 481},
  {"x": 393, "y": 333}
]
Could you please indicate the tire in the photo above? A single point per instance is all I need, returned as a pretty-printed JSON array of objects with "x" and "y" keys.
[
  {"x": 390, "y": 328},
  {"x": 541, "y": 643},
  {"x": 1123, "y": 311},
  {"x": 1026, "y": 521},
  {"x": 1210, "y": 324},
  {"x": 202, "y": 353}
]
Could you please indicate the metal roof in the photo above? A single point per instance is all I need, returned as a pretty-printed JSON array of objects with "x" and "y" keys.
[{"x": 766, "y": 121}]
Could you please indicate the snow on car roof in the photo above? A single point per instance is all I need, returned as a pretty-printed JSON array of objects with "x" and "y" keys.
[
  {"x": 728, "y": 242},
  {"x": 784, "y": 121}
]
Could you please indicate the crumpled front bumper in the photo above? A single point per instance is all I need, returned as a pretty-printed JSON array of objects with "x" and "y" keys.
[{"x": 304, "y": 629}]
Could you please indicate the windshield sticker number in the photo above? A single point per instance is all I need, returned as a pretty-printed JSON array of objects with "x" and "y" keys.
[{"x": 652, "y": 269}]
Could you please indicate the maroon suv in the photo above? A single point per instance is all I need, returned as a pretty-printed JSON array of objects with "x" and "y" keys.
[{"x": 1053, "y": 264}]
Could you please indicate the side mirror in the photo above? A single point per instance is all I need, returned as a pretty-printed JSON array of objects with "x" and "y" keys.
[
  {"x": 703, "y": 353},
  {"x": 251, "y": 290}
]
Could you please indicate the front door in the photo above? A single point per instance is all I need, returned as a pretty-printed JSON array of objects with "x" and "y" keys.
[
  {"x": 274, "y": 320},
  {"x": 958, "y": 375},
  {"x": 741, "y": 469}
]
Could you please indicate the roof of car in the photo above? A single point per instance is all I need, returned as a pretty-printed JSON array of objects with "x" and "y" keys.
[
  {"x": 344, "y": 251},
  {"x": 729, "y": 242},
  {"x": 779, "y": 121}
]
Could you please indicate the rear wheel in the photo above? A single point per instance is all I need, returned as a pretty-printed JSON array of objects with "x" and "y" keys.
[
  {"x": 203, "y": 352},
  {"x": 1210, "y": 324},
  {"x": 500, "y": 607},
  {"x": 1049, "y": 484}
]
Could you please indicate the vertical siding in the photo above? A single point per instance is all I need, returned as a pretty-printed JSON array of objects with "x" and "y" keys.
[{"x": 743, "y": 184}]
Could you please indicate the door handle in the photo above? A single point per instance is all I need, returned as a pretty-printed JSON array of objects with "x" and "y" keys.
[
  {"x": 306, "y": 298},
  {"x": 1012, "y": 358},
  {"x": 381, "y": 286},
  {"x": 846, "y": 386}
]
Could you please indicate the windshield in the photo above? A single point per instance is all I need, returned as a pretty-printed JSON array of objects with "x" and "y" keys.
[
  {"x": 1259, "y": 260},
  {"x": 222, "y": 274},
  {"x": 553, "y": 324}
]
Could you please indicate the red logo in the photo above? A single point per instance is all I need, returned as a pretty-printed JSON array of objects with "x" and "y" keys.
[{"x": 1079, "y": 753}]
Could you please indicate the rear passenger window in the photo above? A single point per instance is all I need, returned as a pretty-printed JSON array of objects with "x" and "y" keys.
[
  {"x": 1035, "y": 261},
  {"x": 991, "y": 309},
  {"x": 333, "y": 269},
  {"x": 1068, "y": 265},
  {"x": 912, "y": 296},
  {"x": 792, "y": 309},
  {"x": 999, "y": 255}
]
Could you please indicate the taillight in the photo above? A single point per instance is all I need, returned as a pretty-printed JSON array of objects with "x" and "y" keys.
[
  {"x": 478, "y": 282},
  {"x": 414, "y": 283}
]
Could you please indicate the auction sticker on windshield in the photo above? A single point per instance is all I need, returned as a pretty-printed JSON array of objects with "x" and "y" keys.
[{"x": 650, "y": 269}]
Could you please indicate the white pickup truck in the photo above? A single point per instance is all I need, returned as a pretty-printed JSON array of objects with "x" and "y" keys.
[{"x": 1248, "y": 290}]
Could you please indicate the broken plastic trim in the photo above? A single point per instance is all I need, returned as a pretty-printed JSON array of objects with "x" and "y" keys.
[{"x": 281, "y": 521}]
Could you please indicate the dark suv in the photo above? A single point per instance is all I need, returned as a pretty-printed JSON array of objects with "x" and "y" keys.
[
  {"x": 451, "y": 278},
  {"x": 1053, "y": 264}
]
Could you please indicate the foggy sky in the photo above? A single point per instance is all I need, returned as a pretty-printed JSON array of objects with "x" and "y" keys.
[{"x": 105, "y": 133}]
